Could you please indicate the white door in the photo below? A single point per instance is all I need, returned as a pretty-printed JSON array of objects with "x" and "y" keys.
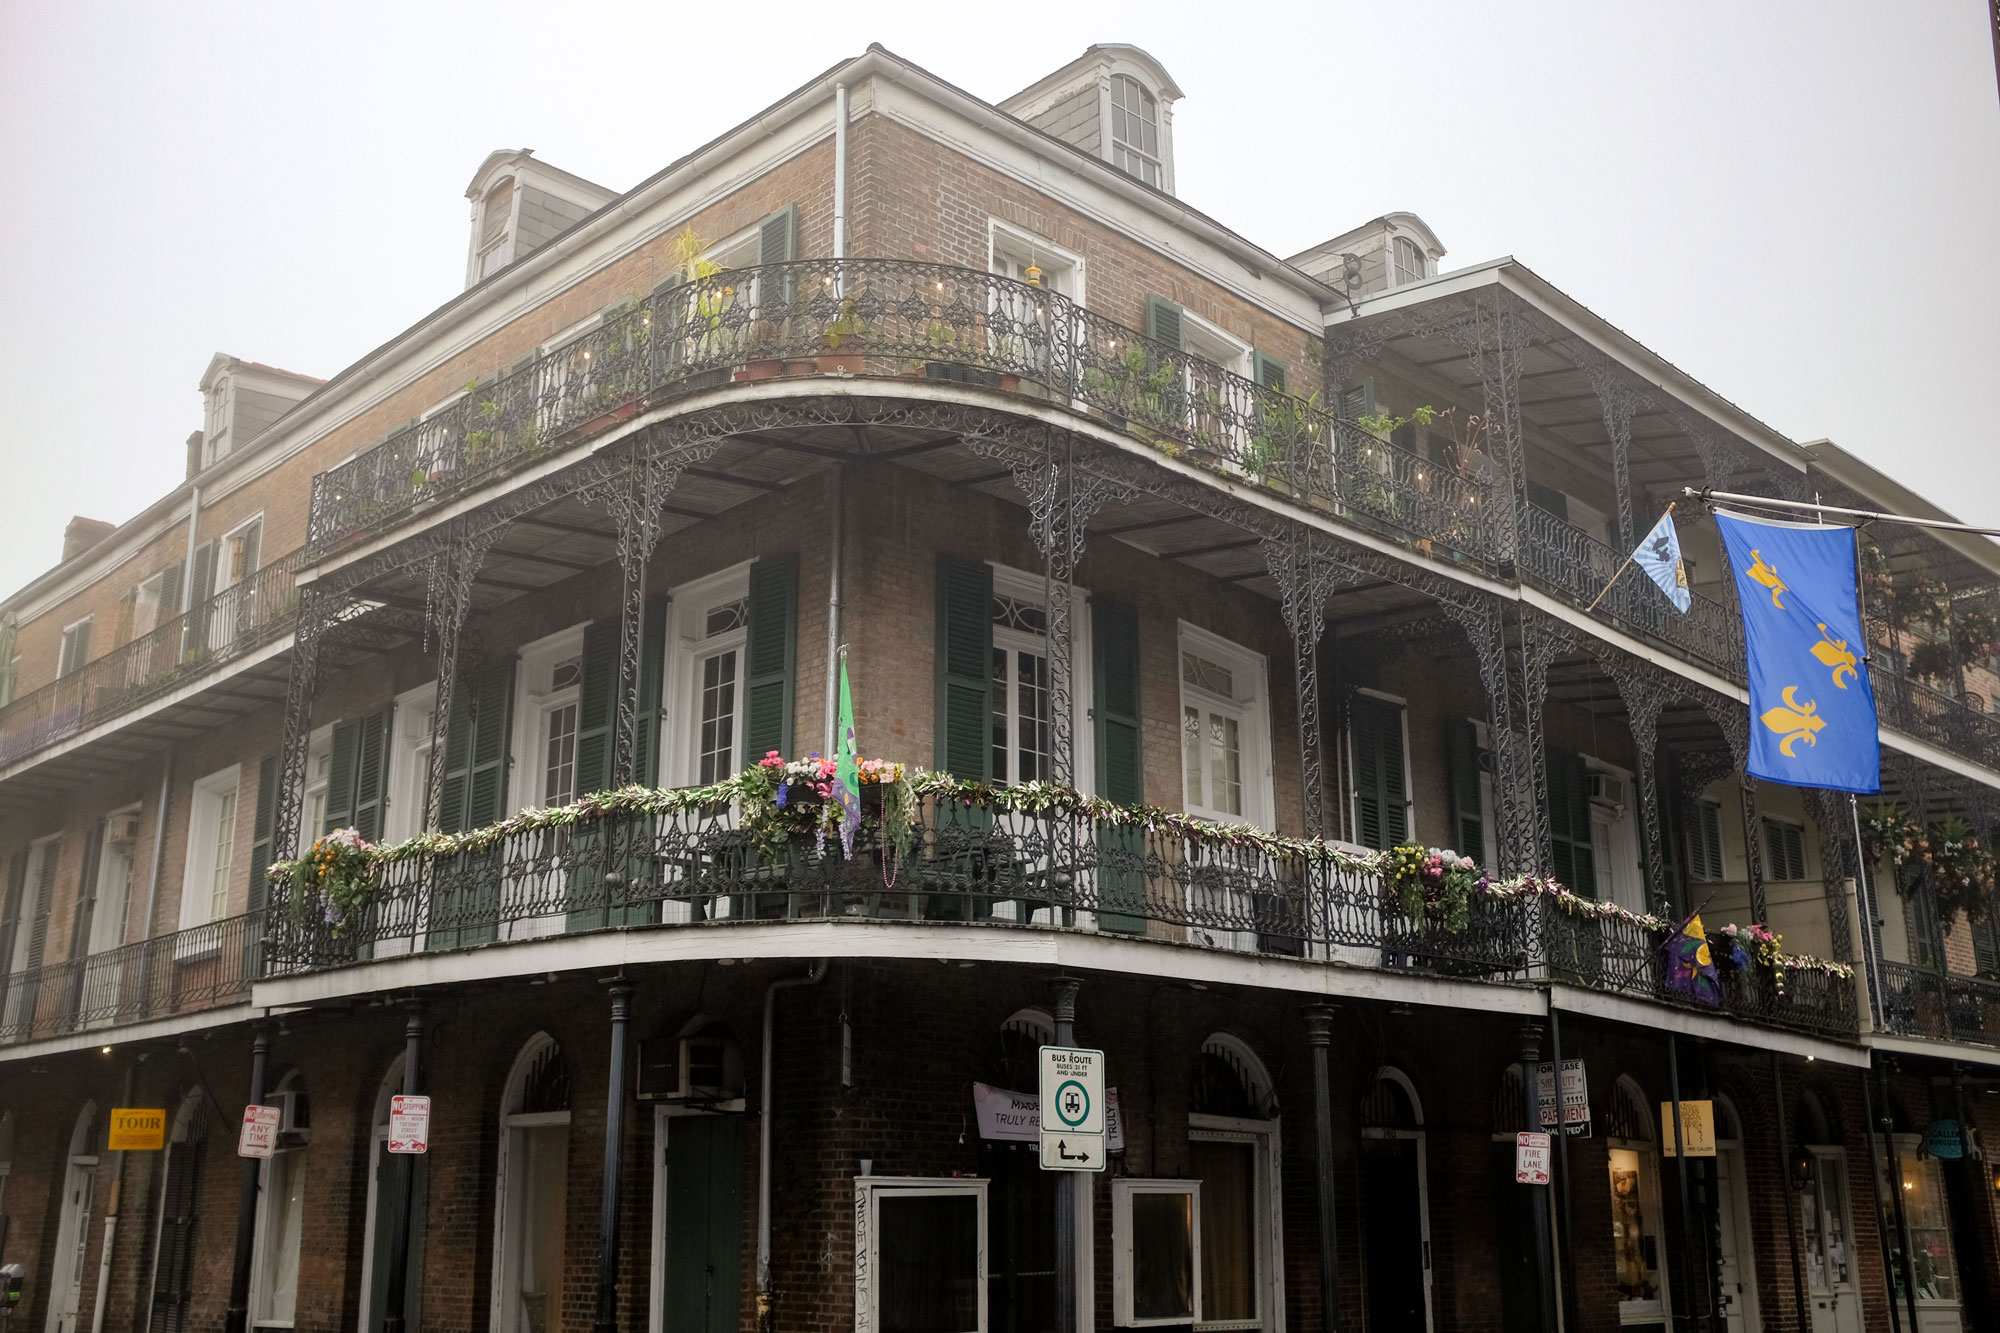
[
  {"x": 1739, "y": 1276},
  {"x": 72, "y": 1240},
  {"x": 1831, "y": 1280}
]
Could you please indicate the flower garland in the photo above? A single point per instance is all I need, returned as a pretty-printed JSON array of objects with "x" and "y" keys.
[
  {"x": 1743, "y": 945},
  {"x": 340, "y": 870},
  {"x": 1433, "y": 885}
]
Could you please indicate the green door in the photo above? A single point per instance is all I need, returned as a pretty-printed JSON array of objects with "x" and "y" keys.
[{"x": 704, "y": 1190}]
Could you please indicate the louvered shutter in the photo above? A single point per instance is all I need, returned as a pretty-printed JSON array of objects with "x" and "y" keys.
[
  {"x": 1573, "y": 860},
  {"x": 180, "y": 1208},
  {"x": 457, "y": 761},
  {"x": 1163, "y": 322},
  {"x": 203, "y": 586},
  {"x": 1358, "y": 400},
  {"x": 964, "y": 667},
  {"x": 770, "y": 657},
  {"x": 596, "y": 706},
  {"x": 171, "y": 580},
  {"x": 262, "y": 834},
  {"x": 371, "y": 773},
  {"x": 44, "y": 896},
  {"x": 86, "y": 892},
  {"x": 1270, "y": 371},
  {"x": 1468, "y": 823},
  {"x": 486, "y": 795},
  {"x": 467, "y": 897},
  {"x": 346, "y": 751},
  {"x": 1121, "y": 882},
  {"x": 777, "y": 243},
  {"x": 1986, "y": 949},
  {"x": 652, "y": 676},
  {"x": 10, "y": 926},
  {"x": 1381, "y": 800}
]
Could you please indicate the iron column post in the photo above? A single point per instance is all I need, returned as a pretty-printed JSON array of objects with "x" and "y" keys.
[
  {"x": 1690, "y": 1259},
  {"x": 1065, "y": 1016},
  {"x": 1319, "y": 1035},
  {"x": 1565, "y": 1203},
  {"x": 1788, "y": 1189},
  {"x": 406, "y": 1166},
  {"x": 1531, "y": 1059},
  {"x": 238, "y": 1314},
  {"x": 614, "y": 1142}
]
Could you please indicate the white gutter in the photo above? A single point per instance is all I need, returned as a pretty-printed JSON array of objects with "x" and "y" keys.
[{"x": 811, "y": 978}]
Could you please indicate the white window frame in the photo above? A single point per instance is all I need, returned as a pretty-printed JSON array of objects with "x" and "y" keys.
[
  {"x": 484, "y": 248},
  {"x": 868, "y": 1194},
  {"x": 1620, "y": 852},
  {"x": 312, "y": 806},
  {"x": 687, "y": 646},
  {"x": 215, "y": 442},
  {"x": 1489, "y": 828},
  {"x": 1023, "y": 585},
  {"x": 268, "y": 1215},
  {"x": 149, "y": 593},
  {"x": 1004, "y": 240},
  {"x": 38, "y": 851},
  {"x": 1648, "y": 1152},
  {"x": 536, "y": 696},
  {"x": 1268, "y": 1206},
  {"x": 204, "y": 812},
  {"x": 1123, "y": 1190},
  {"x": 1254, "y": 722},
  {"x": 506, "y": 1277},
  {"x": 1409, "y": 784},
  {"x": 65, "y": 667},
  {"x": 378, "y": 1132},
  {"x": 222, "y": 552},
  {"x": 103, "y": 937},
  {"x": 1402, "y": 272},
  {"x": 1157, "y": 157}
]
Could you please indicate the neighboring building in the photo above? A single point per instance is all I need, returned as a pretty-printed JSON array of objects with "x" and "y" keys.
[{"x": 1076, "y": 480}]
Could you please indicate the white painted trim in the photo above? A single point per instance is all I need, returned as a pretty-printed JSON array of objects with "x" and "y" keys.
[
  {"x": 198, "y": 871},
  {"x": 504, "y": 1275},
  {"x": 1264, "y": 1139},
  {"x": 1002, "y": 233},
  {"x": 688, "y": 606},
  {"x": 1259, "y": 784},
  {"x": 126, "y": 1034},
  {"x": 378, "y": 1132},
  {"x": 868, "y": 1192},
  {"x": 1123, "y": 1189}
]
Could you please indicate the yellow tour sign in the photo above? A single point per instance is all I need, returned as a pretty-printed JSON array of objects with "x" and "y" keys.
[{"x": 137, "y": 1129}]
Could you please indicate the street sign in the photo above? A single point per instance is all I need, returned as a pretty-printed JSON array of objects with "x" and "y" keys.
[
  {"x": 1531, "y": 1158},
  {"x": 1575, "y": 1114},
  {"x": 1072, "y": 1109},
  {"x": 259, "y": 1135},
  {"x": 137, "y": 1129},
  {"x": 409, "y": 1124},
  {"x": 1697, "y": 1128}
]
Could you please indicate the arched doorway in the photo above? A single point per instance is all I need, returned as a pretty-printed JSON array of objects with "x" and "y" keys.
[
  {"x": 1233, "y": 1150},
  {"x": 281, "y": 1212},
  {"x": 1513, "y": 1209},
  {"x": 1736, "y": 1262},
  {"x": 385, "y": 1199},
  {"x": 1395, "y": 1205},
  {"x": 1826, "y": 1221},
  {"x": 532, "y": 1185},
  {"x": 1638, "y": 1247},
  {"x": 698, "y": 1185},
  {"x": 180, "y": 1209},
  {"x": 1021, "y": 1201},
  {"x": 79, "y": 1192}
]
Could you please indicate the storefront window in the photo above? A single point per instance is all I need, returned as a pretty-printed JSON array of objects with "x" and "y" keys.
[
  {"x": 1929, "y": 1226},
  {"x": 1635, "y": 1244},
  {"x": 1156, "y": 1242}
]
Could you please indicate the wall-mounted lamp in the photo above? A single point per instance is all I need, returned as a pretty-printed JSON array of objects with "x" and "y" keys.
[{"x": 1802, "y": 1169}]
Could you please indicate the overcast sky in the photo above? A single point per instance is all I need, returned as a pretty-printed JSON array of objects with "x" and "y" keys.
[{"x": 1797, "y": 203}]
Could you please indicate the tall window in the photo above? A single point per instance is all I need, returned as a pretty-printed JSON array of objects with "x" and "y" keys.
[
  {"x": 1409, "y": 260},
  {"x": 75, "y": 650},
  {"x": 724, "y": 626},
  {"x": 495, "y": 211},
  {"x": 1135, "y": 129},
  {"x": 211, "y": 857},
  {"x": 534, "y": 1159},
  {"x": 1232, "y": 1143},
  {"x": 1784, "y": 850},
  {"x": 281, "y": 1211},
  {"x": 919, "y": 1255},
  {"x": 1704, "y": 837},
  {"x": 1222, "y": 729},
  {"x": 708, "y": 648},
  {"x": 559, "y": 734},
  {"x": 1638, "y": 1259},
  {"x": 1020, "y": 688}
]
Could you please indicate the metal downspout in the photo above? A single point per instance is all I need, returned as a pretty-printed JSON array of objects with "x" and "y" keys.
[{"x": 765, "y": 1318}]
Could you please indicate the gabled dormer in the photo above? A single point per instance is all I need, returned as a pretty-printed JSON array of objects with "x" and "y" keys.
[
  {"x": 1392, "y": 251},
  {"x": 240, "y": 400},
  {"x": 1114, "y": 102},
  {"x": 519, "y": 204}
]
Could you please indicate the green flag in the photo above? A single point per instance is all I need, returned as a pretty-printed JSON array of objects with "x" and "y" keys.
[{"x": 846, "y": 771}]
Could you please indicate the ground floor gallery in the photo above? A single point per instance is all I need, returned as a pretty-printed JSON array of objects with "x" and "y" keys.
[{"x": 904, "y": 1192}]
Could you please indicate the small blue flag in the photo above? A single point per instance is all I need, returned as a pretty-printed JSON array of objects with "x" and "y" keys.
[
  {"x": 1812, "y": 707},
  {"x": 1659, "y": 554}
]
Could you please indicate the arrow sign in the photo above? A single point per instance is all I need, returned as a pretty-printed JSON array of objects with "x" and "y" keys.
[{"x": 1072, "y": 1109}]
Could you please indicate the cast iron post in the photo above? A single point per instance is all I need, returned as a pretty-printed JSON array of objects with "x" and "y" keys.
[
  {"x": 1319, "y": 1035},
  {"x": 1690, "y": 1260},
  {"x": 614, "y": 1141},
  {"x": 238, "y": 1314},
  {"x": 1531, "y": 1060},
  {"x": 406, "y": 1166},
  {"x": 1789, "y": 1189},
  {"x": 1066, "y": 988}
]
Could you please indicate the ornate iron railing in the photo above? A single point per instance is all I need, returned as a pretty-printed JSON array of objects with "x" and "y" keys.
[
  {"x": 202, "y": 967},
  {"x": 701, "y": 869},
  {"x": 235, "y": 621},
  {"x": 1936, "y": 717},
  {"x": 894, "y": 318},
  {"x": 1940, "y": 1006},
  {"x": 1563, "y": 558}
]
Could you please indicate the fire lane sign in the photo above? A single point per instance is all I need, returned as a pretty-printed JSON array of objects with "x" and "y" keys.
[
  {"x": 1531, "y": 1159},
  {"x": 259, "y": 1135},
  {"x": 409, "y": 1124},
  {"x": 1072, "y": 1109}
]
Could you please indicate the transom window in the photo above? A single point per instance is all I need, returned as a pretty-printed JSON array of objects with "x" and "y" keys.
[
  {"x": 710, "y": 634},
  {"x": 1222, "y": 758},
  {"x": 1135, "y": 129}
]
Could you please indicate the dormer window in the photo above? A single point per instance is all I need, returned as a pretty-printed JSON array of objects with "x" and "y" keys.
[
  {"x": 1135, "y": 129},
  {"x": 215, "y": 443},
  {"x": 495, "y": 211},
  {"x": 1409, "y": 261}
]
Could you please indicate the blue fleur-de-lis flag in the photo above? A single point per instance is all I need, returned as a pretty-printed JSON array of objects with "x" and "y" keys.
[{"x": 1812, "y": 709}]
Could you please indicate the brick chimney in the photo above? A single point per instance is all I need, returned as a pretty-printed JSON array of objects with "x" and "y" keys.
[{"x": 82, "y": 534}]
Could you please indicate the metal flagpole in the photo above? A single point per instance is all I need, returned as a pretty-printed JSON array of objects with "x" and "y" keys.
[
  {"x": 1628, "y": 561},
  {"x": 1813, "y": 506}
]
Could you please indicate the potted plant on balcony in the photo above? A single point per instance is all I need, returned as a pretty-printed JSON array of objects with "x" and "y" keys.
[{"x": 844, "y": 335}]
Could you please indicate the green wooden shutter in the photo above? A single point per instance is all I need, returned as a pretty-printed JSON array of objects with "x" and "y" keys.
[
  {"x": 777, "y": 236},
  {"x": 652, "y": 676},
  {"x": 204, "y": 574},
  {"x": 486, "y": 787},
  {"x": 1120, "y": 760},
  {"x": 371, "y": 773},
  {"x": 1270, "y": 371},
  {"x": 86, "y": 892},
  {"x": 770, "y": 657},
  {"x": 1468, "y": 824},
  {"x": 1358, "y": 400},
  {"x": 340, "y": 777},
  {"x": 1163, "y": 322},
  {"x": 10, "y": 917},
  {"x": 964, "y": 682},
  {"x": 44, "y": 895},
  {"x": 467, "y": 899},
  {"x": 596, "y": 706},
  {"x": 1573, "y": 861},
  {"x": 1381, "y": 798}
]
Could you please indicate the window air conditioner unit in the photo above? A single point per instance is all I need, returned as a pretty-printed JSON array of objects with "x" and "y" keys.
[
  {"x": 1607, "y": 789},
  {"x": 122, "y": 830},
  {"x": 294, "y": 1117},
  {"x": 702, "y": 1069}
]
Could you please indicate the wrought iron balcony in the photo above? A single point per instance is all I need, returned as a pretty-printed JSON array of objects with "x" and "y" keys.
[
  {"x": 202, "y": 967},
  {"x": 1940, "y": 1006},
  {"x": 236, "y": 621},
  {"x": 1934, "y": 716},
  {"x": 699, "y": 868},
  {"x": 890, "y": 319}
]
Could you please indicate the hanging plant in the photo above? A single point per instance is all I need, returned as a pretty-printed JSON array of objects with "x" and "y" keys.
[
  {"x": 339, "y": 875},
  {"x": 1431, "y": 886}
]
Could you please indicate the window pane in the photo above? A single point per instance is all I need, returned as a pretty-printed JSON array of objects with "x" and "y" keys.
[
  {"x": 1634, "y": 1247},
  {"x": 1163, "y": 1256},
  {"x": 1225, "y": 764},
  {"x": 1228, "y": 1228},
  {"x": 285, "y": 1193},
  {"x": 718, "y": 717},
  {"x": 559, "y": 766},
  {"x": 1033, "y": 693},
  {"x": 225, "y": 847},
  {"x": 1003, "y": 730},
  {"x": 929, "y": 1251},
  {"x": 1192, "y": 790}
]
